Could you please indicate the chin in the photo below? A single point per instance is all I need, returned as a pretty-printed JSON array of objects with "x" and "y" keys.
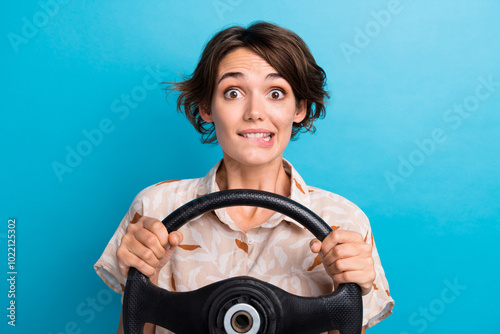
[{"x": 257, "y": 160}]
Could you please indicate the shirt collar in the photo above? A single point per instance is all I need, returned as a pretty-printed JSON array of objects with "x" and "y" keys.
[
  {"x": 208, "y": 184},
  {"x": 299, "y": 193}
]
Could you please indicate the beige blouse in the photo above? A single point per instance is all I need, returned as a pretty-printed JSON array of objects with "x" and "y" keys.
[{"x": 278, "y": 252}]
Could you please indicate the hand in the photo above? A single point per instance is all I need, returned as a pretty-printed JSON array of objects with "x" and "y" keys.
[
  {"x": 347, "y": 259},
  {"x": 146, "y": 246}
]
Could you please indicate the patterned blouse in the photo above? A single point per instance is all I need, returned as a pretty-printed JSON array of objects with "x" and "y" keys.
[{"x": 214, "y": 248}]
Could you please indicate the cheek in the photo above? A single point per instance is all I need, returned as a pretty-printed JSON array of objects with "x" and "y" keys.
[
  {"x": 285, "y": 118},
  {"x": 223, "y": 127}
]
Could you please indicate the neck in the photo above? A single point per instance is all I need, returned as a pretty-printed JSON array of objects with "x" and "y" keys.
[{"x": 270, "y": 177}]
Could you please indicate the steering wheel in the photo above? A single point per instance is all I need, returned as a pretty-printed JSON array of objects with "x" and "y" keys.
[{"x": 241, "y": 304}]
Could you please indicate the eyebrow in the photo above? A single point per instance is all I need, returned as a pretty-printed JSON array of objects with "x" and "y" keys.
[{"x": 270, "y": 76}]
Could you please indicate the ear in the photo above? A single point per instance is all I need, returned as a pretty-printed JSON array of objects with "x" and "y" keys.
[
  {"x": 205, "y": 113},
  {"x": 300, "y": 113}
]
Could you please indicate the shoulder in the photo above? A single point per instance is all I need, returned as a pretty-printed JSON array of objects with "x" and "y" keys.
[
  {"x": 163, "y": 197},
  {"x": 325, "y": 197},
  {"x": 180, "y": 187},
  {"x": 338, "y": 211}
]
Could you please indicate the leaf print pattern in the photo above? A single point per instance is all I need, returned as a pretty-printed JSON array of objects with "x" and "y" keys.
[
  {"x": 317, "y": 262},
  {"x": 192, "y": 281},
  {"x": 280, "y": 255},
  {"x": 242, "y": 245},
  {"x": 297, "y": 184},
  {"x": 137, "y": 216},
  {"x": 189, "y": 247}
]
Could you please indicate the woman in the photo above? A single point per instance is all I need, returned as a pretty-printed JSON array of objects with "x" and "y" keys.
[{"x": 253, "y": 90}]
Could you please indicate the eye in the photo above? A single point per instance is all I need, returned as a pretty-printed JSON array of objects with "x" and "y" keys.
[
  {"x": 232, "y": 94},
  {"x": 277, "y": 94}
]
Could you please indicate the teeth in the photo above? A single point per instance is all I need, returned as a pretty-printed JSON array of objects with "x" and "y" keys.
[{"x": 267, "y": 136}]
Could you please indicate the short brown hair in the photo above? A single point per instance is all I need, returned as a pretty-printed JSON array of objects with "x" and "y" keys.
[{"x": 284, "y": 50}]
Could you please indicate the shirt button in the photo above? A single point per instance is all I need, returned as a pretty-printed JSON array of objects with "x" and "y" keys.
[{"x": 250, "y": 241}]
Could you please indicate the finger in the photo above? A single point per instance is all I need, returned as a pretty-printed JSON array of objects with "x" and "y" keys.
[
  {"x": 175, "y": 238},
  {"x": 157, "y": 228},
  {"x": 140, "y": 265},
  {"x": 344, "y": 251},
  {"x": 340, "y": 237},
  {"x": 148, "y": 240},
  {"x": 143, "y": 252},
  {"x": 350, "y": 264},
  {"x": 358, "y": 276},
  {"x": 355, "y": 276},
  {"x": 315, "y": 245},
  {"x": 126, "y": 259}
]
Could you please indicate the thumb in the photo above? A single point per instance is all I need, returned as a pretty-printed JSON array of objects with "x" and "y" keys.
[
  {"x": 174, "y": 239},
  {"x": 315, "y": 245}
]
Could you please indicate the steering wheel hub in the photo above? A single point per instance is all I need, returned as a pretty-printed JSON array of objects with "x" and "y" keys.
[
  {"x": 243, "y": 305},
  {"x": 242, "y": 318}
]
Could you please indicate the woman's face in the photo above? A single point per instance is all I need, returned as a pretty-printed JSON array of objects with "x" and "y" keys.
[{"x": 253, "y": 109}]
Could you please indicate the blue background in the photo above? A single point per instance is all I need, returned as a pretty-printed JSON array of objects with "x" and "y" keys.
[{"x": 394, "y": 81}]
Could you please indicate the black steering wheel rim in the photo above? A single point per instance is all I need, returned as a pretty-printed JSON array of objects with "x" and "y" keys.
[
  {"x": 346, "y": 299},
  {"x": 247, "y": 197}
]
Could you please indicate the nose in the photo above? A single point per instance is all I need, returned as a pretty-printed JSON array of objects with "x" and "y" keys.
[{"x": 254, "y": 110}]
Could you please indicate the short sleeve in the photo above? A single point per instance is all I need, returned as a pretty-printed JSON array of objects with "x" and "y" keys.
[
  {"x": 378, "y": 303},
  {"x": 107, "y": 266}
]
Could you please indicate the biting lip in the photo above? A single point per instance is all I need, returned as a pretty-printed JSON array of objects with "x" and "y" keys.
[
  {"x": 256, "y": 133},
  {"x": 261, "y": 137}
]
